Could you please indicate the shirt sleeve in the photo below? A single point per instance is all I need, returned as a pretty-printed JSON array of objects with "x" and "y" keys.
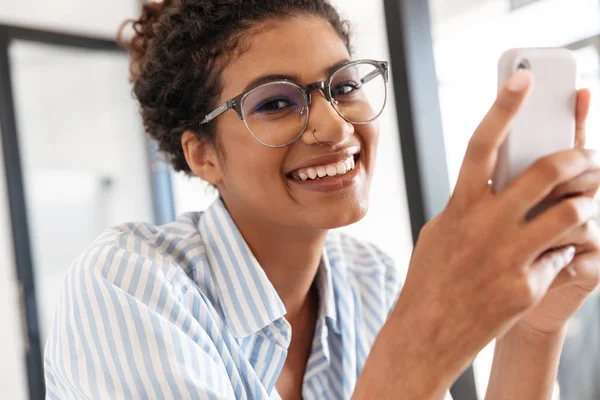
[{"x": 123, "y": 330}]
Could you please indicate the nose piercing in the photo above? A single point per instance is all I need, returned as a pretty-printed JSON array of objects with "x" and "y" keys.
[{"x": 315, "y": 139}]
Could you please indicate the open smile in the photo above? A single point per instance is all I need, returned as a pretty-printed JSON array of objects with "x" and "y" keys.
[{"x": 328, "y": 177}]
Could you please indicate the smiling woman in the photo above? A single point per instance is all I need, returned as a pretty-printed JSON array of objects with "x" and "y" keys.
[
  {"x": 290, "y": 145},
  {"x": 256, "y": 298}
]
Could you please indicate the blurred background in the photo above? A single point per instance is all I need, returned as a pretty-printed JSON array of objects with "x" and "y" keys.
[{"x": 75, "y": 159}]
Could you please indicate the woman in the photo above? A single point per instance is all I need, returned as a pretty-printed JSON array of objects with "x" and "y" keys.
[{"x": 255, "y": 298}]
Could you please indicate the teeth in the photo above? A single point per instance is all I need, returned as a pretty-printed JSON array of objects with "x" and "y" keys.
[{"x": 330, "y": 170}]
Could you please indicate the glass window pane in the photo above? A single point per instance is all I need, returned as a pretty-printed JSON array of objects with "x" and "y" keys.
[
  {"x": 469, "y": 38},
  {"x": 580, "y": 365},
  {"x": 83, "y": 154},
  {"x": 588, "y": 64}
]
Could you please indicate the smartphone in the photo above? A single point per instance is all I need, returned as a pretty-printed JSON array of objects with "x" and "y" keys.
[{"x": 546, "y": 122}]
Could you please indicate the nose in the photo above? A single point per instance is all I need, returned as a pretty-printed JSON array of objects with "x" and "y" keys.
[{"x": 326, "y": 124}]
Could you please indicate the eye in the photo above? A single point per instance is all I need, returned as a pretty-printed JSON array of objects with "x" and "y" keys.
[
  {"x": 344, "y": 88},
  {"x": 273, "y": 105}
]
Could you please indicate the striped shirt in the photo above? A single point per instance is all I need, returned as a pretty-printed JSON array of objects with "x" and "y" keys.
[{"x": 184, "y": 311}]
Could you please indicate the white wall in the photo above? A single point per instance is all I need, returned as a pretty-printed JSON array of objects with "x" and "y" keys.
[{"x": 99, "y": 18}]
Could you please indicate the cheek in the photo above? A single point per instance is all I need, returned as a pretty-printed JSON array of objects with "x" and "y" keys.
[
  {"x": 374, "y": 129},
  {"x": 254, "y": 167},
  {"x": 369, "y": 135},
  {"x": 247, "y": 162}
]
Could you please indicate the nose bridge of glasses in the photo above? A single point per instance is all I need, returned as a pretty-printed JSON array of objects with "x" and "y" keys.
[{"x": 321, "y": 87}]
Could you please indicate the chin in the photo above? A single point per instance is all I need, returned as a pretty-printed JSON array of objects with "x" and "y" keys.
[{"x": 343, "y": 216}]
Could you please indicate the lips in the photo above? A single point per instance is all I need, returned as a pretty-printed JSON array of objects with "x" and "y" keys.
[
  {"x": 332, "y": 184},
  {"x": 323, "y": 166},
  {"x": 325, "y": 171}
]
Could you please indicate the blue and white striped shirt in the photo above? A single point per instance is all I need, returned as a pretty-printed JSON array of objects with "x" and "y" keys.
[{"x": 184, "y": 311}]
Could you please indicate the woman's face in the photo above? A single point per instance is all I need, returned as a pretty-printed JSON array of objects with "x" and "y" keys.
[{"x": 262, "y": 182}]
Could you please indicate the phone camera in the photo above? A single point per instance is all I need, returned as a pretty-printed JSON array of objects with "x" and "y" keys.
[{"x": 523, "y": 65}]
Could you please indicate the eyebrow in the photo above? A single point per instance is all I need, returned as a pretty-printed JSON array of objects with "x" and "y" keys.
[{"x": 294, "y": 78}]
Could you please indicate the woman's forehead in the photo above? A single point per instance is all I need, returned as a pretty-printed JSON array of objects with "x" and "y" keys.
[{"x": 305, "y": 47}]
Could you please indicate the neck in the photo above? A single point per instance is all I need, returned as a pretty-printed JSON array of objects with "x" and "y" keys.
[{"x": 289, "y": 256}]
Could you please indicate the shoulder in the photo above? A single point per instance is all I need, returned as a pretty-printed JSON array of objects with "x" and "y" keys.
[
  {"x": 149, "y": 236},
  {"x": 130, "y": 299},
  {"x": 138, "y": 258},
  {"x": 139, "y": 270},
  {"x": 366, "y": 265},
  {"x": 173, "y": 243}
]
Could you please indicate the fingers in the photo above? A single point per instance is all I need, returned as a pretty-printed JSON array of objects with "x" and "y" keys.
[
  {"x": 583, "y": 271},
  {"x": 538, "y": 181},
  {"x": 553, "y": 225},
  {"x": 548, "y": 266},
  {"x": 586, "y": 184},
  {"x": 585, "y": 238},
  {"x": 581, "y": 114},
  {"x": 482, "y": 152}
]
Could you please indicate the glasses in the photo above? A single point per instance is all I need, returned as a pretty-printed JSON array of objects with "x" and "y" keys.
[{"x": 276, "y": 113}]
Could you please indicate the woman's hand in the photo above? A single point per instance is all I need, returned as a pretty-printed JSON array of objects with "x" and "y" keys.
[
  {"x": 480, "y": 266},
  {"x": 572, "y": 286}
]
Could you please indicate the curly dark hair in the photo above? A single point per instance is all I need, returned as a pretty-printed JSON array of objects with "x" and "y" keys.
[{"x": 180, "y": 47}]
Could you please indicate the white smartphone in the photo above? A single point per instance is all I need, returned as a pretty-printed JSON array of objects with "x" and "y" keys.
[{"x": 546, "y": 122}]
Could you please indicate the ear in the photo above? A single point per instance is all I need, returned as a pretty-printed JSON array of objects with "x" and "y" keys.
[{"x": 201, "y": 158}]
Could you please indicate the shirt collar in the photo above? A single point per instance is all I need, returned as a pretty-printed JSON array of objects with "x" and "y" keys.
[
  {"x": 248, "y": 299},
  {"x": 326, "y": 290}
]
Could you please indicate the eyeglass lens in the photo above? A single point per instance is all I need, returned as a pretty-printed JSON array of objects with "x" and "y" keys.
[{"x": 276, "y": 113}]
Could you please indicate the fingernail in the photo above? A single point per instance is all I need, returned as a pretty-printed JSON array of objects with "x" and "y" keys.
[
  {"x": 569, "y": 255},
  {"x": 519, "y": 81}
]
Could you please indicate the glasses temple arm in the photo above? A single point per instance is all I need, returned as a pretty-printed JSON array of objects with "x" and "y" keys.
[
  {"x": 370, "y": 76},
  {"x": 220, "y": 110}
]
